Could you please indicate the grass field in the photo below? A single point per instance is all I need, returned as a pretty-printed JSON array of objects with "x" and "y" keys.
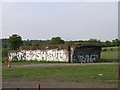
[
  {"x": 66, "y": 73},
  {"x": 110, "y": 54}
]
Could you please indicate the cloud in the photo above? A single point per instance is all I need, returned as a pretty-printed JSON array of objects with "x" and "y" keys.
[
  {"x": 69, "y": 20},
  {"x": 60, "y": 0}
]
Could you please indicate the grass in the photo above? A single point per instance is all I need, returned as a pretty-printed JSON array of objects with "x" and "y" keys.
[
  {"x": 66, "y": 73},
  {"x": 110, "y": 55},
  {"x": 109, "y": 48}
]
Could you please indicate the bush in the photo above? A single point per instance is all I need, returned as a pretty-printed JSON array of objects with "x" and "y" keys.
[
  {"x": 4, "y": 53},
  {"x": 111, "y": 49},
  {"x": 104, "y": 50}
]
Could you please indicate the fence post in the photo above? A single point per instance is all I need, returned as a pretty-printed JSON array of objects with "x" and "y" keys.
[
  {"x": 38, "y": 86},
  {"x": 119, "y": 72}
]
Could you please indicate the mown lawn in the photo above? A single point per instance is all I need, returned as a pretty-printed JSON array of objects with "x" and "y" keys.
[
  {"x": 110, "y": 54},
  {"x": 66, "y": 73}
]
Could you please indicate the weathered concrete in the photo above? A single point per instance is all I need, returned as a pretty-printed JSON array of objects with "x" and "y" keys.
[{"x": 69, "y": 54}]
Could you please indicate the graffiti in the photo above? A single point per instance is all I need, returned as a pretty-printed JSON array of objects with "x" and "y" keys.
[
  {"x": 40, "y": 55},
  {"x": 72, "y": 54},
  {"x": 87, "y": 58}
]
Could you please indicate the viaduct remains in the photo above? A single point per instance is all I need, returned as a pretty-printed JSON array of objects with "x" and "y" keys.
[{"x": 58, "y": 53}]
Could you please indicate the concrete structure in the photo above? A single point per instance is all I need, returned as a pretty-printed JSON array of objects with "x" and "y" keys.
[{"x": 60, "y": 53}]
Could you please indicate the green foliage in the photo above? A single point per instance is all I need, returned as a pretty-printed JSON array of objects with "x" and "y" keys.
[
  {"x": 27, "y": 43},
  {"x": 5, "y": 43},
  {"x": 15, "y": 41},
  {"x": 35, "y": 42},
  {"x": 57, "y": 40},
  {"x": 110, "y": 48},
  {"x": 104, "y": 50},
  {"x": 116, "y": 42},
  {"x": 86, "y": 42},
  {"x": 108, "y": 43},
  {"x": 4, "y": 52}
]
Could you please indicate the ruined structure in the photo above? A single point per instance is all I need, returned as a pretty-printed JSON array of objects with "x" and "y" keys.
[{"x": 60, "y": 53}]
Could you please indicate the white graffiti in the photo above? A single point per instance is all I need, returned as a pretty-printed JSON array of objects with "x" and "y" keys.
[
  {"x": 40, "y": 55},
  {"x": 56, "y": 54},
  {"x": 88, "y": 58}
]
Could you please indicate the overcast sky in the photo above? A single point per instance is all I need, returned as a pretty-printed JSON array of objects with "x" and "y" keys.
[{"x": 69, "y": 20}]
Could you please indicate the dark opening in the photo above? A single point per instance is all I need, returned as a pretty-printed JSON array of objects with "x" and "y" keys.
[{"x": 69, "y": 54}]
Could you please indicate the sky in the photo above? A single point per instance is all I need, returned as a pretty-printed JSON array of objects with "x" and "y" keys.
[{"x": 68, "y": 20}]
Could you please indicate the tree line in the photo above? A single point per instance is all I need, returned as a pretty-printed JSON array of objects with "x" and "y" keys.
[{"x": 15, "y": 41}]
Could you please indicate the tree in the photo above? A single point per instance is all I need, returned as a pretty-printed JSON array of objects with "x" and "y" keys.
[
  {"x": 94, "y": 42},
  {"x": 116, "y": 42},
  {"x": 4, "y": 52},
  {"x": 27, "y": 42},
  {"x": 5, "y": 43},
  {"x": 15, "y": 41},
  {"x": 56, "y": 40},
  {"x": 108, "y": 43}
]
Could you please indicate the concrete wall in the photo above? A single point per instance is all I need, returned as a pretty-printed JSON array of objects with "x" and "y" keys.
[
  {"x": 87, "y": 54},
  {"x": 40, "y": 55},
  {"x": 70, "y": 54}
]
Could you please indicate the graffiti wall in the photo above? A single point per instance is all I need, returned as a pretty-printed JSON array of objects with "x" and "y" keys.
[
  {"x": 40, "y": 55},
  {"x": 85, "y": 54}
]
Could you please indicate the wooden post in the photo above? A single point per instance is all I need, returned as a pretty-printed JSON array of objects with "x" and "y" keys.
[
  {"x": 38, "y": 86},
  {"x": 9, "y": 64},
  {"x": 119, "y": 72}
]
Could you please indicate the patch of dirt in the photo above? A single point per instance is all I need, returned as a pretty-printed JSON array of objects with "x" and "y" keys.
[{"x": 53, "y": 84}]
